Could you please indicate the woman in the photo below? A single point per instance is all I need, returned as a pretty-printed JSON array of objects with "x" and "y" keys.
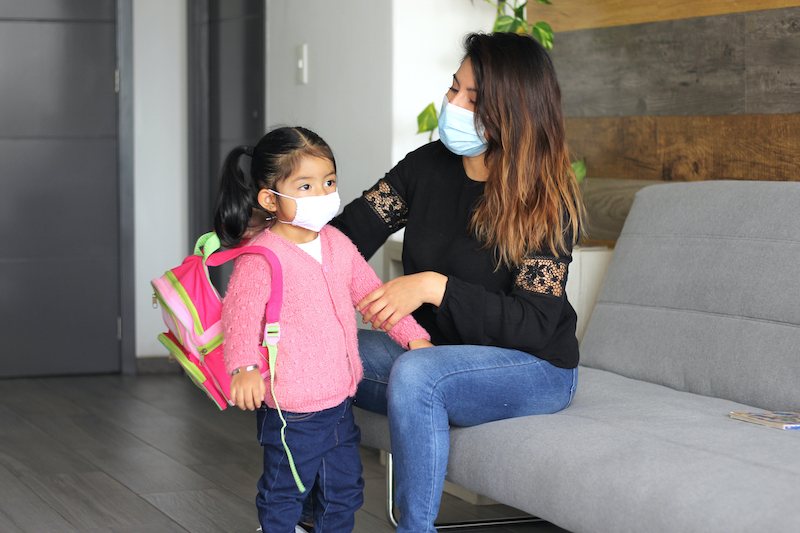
[{"x": 491, "y": 212}]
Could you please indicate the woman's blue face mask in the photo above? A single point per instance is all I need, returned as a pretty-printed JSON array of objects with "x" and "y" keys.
[{"x": 457, "y": 131}]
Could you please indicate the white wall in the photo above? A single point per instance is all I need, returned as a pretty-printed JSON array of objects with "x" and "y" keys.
[
  {"x": 160, "y": 155},
  {"x": 427, "y": 50},
  {"x": 348, "y": 97}
]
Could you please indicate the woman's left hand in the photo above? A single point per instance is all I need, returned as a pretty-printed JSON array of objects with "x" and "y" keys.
[{"x": 388, "y": 304}]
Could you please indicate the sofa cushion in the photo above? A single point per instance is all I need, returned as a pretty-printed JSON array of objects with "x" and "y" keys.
[
  {"x": 703, "y": 293},
  {"x": 629, "y": 455}
]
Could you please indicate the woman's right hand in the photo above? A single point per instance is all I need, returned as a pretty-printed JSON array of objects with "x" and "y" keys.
[
  {"x": 248, "y": 389},
  {"x": 389, "y": 303}
]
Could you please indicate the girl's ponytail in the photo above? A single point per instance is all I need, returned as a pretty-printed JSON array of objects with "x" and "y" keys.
[{"x": 234, "y": 201}]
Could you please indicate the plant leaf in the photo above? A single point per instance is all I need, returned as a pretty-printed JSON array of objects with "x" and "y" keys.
[
  {"x": 545, "y": 2},
  {"x": 428, "y": 120},
  {"x": 519, "y": 26},
  {"x": 519, "y": 11},
  {"x": 579, "y": 167},
  {"x": 504, "y": 23},
  {"x": 542, "y": 32},
  {"x": 545, "y": 27}
]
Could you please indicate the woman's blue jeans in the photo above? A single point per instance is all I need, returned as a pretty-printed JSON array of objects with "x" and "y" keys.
[{"x": 424, "y": 391}]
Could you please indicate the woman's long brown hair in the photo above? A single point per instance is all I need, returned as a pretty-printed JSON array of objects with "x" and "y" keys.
[{"x": 532, "y": 201}]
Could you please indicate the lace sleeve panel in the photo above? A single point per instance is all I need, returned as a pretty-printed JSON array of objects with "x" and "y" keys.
[
  {"x": 388, "y": 205},
  {"x": 543, "y": 275}
]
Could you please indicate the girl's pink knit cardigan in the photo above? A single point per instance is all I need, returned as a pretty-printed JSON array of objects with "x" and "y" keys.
[{"x": 318, "y": 366}]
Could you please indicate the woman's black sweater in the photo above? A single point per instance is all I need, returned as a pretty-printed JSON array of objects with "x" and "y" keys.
[{"x": 429, "y": 194}]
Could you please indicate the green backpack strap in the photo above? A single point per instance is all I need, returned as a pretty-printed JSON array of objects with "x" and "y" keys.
[{"x": 207, "y": 244}]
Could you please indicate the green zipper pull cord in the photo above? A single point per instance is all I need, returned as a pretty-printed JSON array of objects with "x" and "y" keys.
[{"x": 273, "y": 330}]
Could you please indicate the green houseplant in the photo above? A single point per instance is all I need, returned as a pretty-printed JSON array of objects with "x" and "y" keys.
[{"x": 509, "y": 17}]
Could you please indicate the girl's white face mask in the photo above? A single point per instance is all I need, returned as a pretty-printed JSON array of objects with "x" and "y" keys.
[
  {"x": 313, "y": 212},
  {"x": 457, "y": 131}
]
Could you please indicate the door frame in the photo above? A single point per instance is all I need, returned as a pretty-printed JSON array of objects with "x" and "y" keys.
[
  {"x": 203, "y": 26},
  {"x": 200, "y": 181},
  {"x": 127, "y": 296}
]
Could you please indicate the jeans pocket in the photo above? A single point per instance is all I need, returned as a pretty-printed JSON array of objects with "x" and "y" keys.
[
  {"x": 298, "y": 417},
  {"x": 268, "y": 420}
]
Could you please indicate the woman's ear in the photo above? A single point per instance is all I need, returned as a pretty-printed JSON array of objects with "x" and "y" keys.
[{"x": 266, "y": 199}]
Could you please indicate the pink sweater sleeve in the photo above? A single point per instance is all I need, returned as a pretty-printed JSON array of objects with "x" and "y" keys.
[
  {"x": 243, "y": 311},
  {"x": 364, "y": 282}
]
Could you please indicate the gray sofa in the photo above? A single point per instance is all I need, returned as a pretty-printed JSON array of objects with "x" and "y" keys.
[{"x": 698, "y": 316}]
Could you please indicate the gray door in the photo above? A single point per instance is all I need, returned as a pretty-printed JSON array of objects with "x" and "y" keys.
[{"x": 59, "y": 253}]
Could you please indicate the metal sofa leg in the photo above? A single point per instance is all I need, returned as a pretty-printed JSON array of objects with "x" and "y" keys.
[{"x": 450, "y": 525}]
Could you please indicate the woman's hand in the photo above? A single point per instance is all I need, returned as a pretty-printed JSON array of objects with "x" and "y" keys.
[
  {"x": 248, "y": 389},
  {"x": 388, "y": 304}
]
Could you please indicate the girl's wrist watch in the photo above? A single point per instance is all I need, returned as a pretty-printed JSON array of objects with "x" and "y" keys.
[{"x": 248, "y": 368}]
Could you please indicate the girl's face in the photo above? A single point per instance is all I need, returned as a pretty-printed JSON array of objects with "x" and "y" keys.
[
  {"x": 314, "y": 176},
  {"x": 463, "y": 92}
]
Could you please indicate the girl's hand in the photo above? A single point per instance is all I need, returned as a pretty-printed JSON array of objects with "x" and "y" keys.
[
  {"x": 388, "y": 304},
  {"x": 248, "y": 389},
  {"x": 419, "y": 343}
]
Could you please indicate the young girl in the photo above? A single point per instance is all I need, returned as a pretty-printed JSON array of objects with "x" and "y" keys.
[{"x": 293, "y": 179}]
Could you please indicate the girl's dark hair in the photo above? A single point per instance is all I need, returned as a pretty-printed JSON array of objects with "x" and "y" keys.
[
  {"x": 531, "y": 201},
  {"x": 273, "y": 159}
]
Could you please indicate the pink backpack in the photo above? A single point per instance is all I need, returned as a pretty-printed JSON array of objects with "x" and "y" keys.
[{"x": 192, "y": 308}]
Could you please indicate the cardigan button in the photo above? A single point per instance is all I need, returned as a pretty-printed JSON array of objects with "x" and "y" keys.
[{"x": 325, "y": 269}]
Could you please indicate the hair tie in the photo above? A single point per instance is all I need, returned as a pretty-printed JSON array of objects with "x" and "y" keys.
[{"x": 248, "y": 151}]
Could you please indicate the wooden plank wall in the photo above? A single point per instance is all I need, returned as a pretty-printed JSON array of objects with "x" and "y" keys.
[
  {"x": 653, "y": 91},
  {"x": 569, "y": 15}
]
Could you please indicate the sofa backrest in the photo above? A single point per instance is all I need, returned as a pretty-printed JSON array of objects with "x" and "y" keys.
[{"x": 703, "y": 293}]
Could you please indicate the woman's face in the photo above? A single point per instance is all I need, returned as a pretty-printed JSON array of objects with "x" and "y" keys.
[{"x": 463, "y": 92}]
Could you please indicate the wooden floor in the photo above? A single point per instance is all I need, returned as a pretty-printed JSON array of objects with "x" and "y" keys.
[{"x": 148, "y": 454}]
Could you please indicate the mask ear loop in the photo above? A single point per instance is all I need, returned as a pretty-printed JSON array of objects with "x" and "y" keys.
[
  {"x": 276, "y": 193},
  {"x": 270, "y": 214}
]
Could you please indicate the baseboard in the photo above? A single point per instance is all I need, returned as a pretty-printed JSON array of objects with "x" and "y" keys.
[{"x": 157, "y": 365}]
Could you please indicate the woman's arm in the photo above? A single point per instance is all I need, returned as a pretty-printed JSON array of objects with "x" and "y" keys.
[
  {"x": 378, "y": 212},
  {"x": 360, "y": 223},
  {"x": 526, "y": 318}
]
